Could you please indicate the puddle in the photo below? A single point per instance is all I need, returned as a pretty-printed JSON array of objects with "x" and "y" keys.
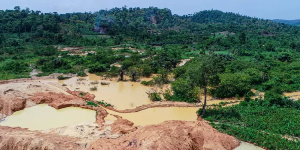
[
  {"x": 43, "y": 117},
  {"x": 122, "y": 95},
  {"x": 248, "y": 146},
  {"x": 158, "y": 115}
]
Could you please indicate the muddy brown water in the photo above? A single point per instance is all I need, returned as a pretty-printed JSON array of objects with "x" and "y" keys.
[
  {"x": 158, "y": 115},
  {"x": 122, "y": 95},
  {"x": 43, "y": 117}
]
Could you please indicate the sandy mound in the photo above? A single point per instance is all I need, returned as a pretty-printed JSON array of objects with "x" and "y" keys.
[
  {"x": 87, "y": 131},
  {"x": 171, "y": 135},
  {"x": 17, "y": 138},
  {"x": 122, "y": 126},
  {"x": 196, "y": 135}
]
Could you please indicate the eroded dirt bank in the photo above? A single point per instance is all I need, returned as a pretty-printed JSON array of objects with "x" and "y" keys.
[
  {"x": 22, "y": 139},
  {"x": 196, "y": 135},
  {"x": 119, "y": 134},
  {"x": 16, "y": 96},
  {"x": 168, "y": 135}
]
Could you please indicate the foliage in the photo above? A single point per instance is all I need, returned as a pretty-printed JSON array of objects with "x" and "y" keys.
[
  {"x": 104, "y": 104},
  {"x": 154, "y": 96},
  {"x": 148, "y": 83},
  {"x": 61, "y": 77},
  {"x": 81, "y": 74},
  {"x": 92, "y": 104},
  {"x": 232, "y": 84},
  {"x": 82, "y": 94},
  {"x": 258, "y": 121},
  {"x": 183, "y": 91},
  {"x": 93, "y": 88},
  {"x": 97, "y": 67}
]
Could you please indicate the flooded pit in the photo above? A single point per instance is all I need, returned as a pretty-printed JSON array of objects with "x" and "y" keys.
[
  {"x": 158, "y": 115},
  {"x": 122, "y": 95},
  {"x": 43, "y": 117}
]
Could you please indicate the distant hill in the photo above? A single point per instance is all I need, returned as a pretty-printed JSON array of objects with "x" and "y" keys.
[{"x": 289, "y": 22}]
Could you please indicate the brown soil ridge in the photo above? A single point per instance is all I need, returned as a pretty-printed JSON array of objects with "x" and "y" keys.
[
  {"x": 169, "y": 135},
  {"x": 81, "y": 94},
  {"x": 188, "y": 135},
  {"x": 122, "y": 126},
  {"x": 18, "y": 138},
  {"x": 60, "y": 100},
  {"x": 10, "y": 105},
  {"x": 162, "y": 104}
]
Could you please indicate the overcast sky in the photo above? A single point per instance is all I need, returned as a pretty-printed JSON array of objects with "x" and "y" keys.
[{"x": 267, "y": 9}]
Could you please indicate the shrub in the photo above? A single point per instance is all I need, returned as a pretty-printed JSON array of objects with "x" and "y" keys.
[
  {"x": 82, "y": 94},
  {"x": 92, "y": 104},
  {"x": 232, "y": 84},
  {"x": 93, "y": 88},
  {"x": 94, "y": 68},
  {"x": 168, "y": 95},
  {"x": 104, "y": 103},
  {"x": 148, "y": 83},
  {"x": 61, "y": 77},
  {"x": 184, "y": 91},
  {"x": 81, "y": 74},
  {"x": 154, "y": 96}
]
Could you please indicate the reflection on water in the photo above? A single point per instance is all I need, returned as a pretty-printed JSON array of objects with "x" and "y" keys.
[
  {"x": 159, "y": 115},
  {"x": 123, "y": 95},
  {"x": 42, "y": 117}
]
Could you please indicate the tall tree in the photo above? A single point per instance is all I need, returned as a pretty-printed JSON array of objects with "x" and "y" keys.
[{"x": 204, "y": 73}]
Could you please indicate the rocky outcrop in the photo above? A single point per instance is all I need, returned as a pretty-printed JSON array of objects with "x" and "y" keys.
[
  {"x": 197, "y": 135},
  {"x": 22, "y": 139}
]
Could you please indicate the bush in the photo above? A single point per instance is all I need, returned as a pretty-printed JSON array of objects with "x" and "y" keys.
[
  {"x": 104, "y": 104},
  {"x": 148, "y": 83},
  {"x": 179, "y": 71},
  {"x": 82, "y": 94},
  {"x": 232, "y": 84},
  {"x": 45, "y": 51},
  {"x": 184, "y": 91},
  {"x": 146, "y": 70},
  {"x": 168, "y": 95},
  {"x": 81, "y": 74},
  {"x": 61, "y": 77},
  {"x": 93, "y": 88},
  {"x": 154, "y": 97},
  {"x": 95, "y": 68},
  {"x": 92, "y": 104}
]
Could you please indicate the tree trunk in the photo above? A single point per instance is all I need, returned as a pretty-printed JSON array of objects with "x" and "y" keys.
[
  {"x": 205, "y": 94},
  {"x": 121, "y": 75}
]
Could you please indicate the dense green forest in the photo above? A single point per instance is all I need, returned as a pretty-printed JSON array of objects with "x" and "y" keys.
[
  {"x": 290, "y": 22},
  {"x": 230, "y": 55}
]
